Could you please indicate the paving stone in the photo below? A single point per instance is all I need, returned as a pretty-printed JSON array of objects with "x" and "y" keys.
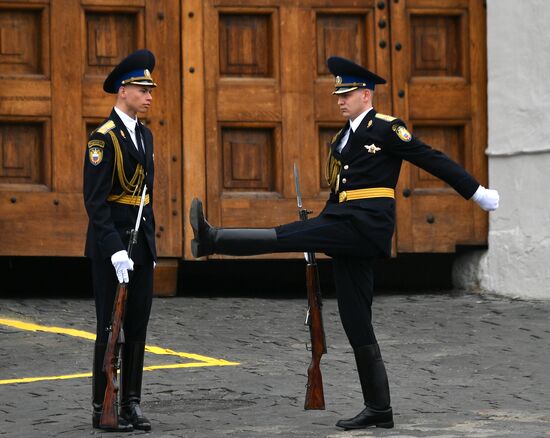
[{"x": 460, "y": 365}]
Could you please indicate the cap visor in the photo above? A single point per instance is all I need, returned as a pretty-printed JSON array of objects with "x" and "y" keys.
[
  {"x": 144, "y": 83},
  {"x": 344, "y": 90}
]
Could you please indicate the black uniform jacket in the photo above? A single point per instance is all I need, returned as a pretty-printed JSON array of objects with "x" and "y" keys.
[
  {"x": 373, "y": 159},
  {"x": 109, "y": 221}
]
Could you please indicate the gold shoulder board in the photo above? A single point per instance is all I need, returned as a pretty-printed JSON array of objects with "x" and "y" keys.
[
  {"x": 106, "y": 127},
  {"x": 385, "y": 117}
]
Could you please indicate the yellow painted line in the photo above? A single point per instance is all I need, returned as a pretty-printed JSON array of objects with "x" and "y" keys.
[
  {"x": 202, "y": 361},
  {"x": 147, "y": 368},
  {"x": 209, "y": 360},
  {"x": 38, "y": 379},
  {"x": 48, "y": 329}
]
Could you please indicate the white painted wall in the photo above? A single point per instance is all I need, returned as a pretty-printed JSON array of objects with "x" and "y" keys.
[{"x": 517, "y": 262}]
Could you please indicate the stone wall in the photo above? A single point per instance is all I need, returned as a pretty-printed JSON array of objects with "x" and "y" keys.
[{"x": 518, "y": 48}]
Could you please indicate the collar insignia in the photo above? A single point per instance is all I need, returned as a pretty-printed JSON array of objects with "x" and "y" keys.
[
  {"x": 372, "y": 149},
  {"x": 123, "y": 134}
]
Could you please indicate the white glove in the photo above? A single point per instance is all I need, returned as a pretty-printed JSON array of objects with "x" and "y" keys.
[
  {"x": 486, "y": 198},
  {"x": 122, "y": 264}
]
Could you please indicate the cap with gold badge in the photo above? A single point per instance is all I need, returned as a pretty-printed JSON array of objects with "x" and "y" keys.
[
  {"x": 350, "y": 76},
  {"x": 135, "y": 69}
]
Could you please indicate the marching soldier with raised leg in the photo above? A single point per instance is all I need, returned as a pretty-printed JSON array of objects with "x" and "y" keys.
[
  {"x": 118, "y": 163},
  {"x": 357, "y": 223}
]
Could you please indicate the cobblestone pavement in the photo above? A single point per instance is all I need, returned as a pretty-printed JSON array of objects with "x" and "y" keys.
[{"x": 459, "y": 366}]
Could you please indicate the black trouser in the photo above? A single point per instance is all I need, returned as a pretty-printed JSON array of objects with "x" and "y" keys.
[
  {"x": 331, "y": 235},
  {"x": 354, "y": 279},
  {"x": 353, "y": 258},
  {"x": 138, "y": 305},
  {"x": 138, "y": 309}
]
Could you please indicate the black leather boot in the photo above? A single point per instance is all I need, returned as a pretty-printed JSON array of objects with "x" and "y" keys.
[
  {"x": 99, "y": 383},
  {"x": 376, "y": 391},
  {"x": 230, "y": 241},
  {"x": 131, "y": 375}
]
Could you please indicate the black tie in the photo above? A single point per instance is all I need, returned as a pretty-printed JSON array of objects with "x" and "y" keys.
[
  {"x": 348, "y": 143},
  {"x": 140, "y": 143}
]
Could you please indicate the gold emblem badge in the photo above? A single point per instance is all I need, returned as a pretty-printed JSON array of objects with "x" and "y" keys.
[
  {"x": 96, "y": 155},
  {"x": 123, "y": 134},
  {"x": 372, "y": 149},
  {"x": 147, "y": 73},
  {"x": 338, "y": 80},
  {"x": 369, "y": 124},
  {"x": 402, "y": 133}
]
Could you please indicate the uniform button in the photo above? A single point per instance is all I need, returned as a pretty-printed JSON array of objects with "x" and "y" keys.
[
  {"x": 346, "y": 167},
  {"x": 344, "y": 180}
]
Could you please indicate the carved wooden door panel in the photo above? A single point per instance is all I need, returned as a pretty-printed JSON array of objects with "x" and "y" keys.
[
  {"x": 269, "y": 103},
  {"x": 439, "y": 77},
  {"x": 54, "y": 56}
]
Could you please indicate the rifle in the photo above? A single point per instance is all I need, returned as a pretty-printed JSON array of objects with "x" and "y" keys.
[
  {"x": 315, "y": 398},
  {"x": 109, "y": 414}
]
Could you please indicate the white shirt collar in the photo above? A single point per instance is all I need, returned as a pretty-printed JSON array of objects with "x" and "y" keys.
[
  {"x": 127, "y": 120},
  {"x": 357, "y": 121}
]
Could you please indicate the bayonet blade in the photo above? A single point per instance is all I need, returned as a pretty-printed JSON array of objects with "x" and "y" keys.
[
  {"x": 297, "y": 184},
  {"x": 141, "y": 204}
]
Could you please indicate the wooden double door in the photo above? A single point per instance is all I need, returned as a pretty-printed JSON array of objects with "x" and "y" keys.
[
  {"x": 54, "y": 56},
  {"x": 244, "y": 92}
]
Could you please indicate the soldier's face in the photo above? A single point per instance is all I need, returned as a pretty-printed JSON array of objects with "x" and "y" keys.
[
  {"x": 138, "y": 99},
  {"x": 354, "y": 103}
]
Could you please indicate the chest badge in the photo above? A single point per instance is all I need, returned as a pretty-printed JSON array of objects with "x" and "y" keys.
[{"x": 372, "y": 149}]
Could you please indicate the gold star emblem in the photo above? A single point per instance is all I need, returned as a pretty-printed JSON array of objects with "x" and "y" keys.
[{"x": 372, "y": 149}]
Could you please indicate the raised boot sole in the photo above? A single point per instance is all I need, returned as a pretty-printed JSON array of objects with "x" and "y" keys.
[
  {"x": 194, "y": 215},
  {"x": 198, "y": 249}
]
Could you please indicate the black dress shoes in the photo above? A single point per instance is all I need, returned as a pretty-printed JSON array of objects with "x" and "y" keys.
[
  {"x": 123, "y": 425},
  {"x": 133, "y": 415},
  {"x": 369, "y": 417}
]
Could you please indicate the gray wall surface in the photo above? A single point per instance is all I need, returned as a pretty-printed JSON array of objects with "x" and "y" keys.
[{"x": 518, "y": 49}]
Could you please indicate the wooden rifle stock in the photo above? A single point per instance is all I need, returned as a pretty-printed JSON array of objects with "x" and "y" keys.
[
  {"x": 315, "y": 398},
  {"x": 109, "y": 413}
]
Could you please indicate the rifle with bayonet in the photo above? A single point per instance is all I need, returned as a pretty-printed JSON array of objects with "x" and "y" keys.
[
  {"x": 315, "y": 398},
  {"x": 111, "y": 361}
]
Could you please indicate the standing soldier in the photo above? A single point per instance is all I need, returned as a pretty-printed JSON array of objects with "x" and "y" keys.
[
  {"x": 117, "y": 164},
  {"x": 357, "y": 223}
]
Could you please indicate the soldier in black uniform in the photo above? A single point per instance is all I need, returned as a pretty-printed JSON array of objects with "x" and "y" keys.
[
  {"x": 357, "y": 223},
  {"x": 118, "y": 163}
]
